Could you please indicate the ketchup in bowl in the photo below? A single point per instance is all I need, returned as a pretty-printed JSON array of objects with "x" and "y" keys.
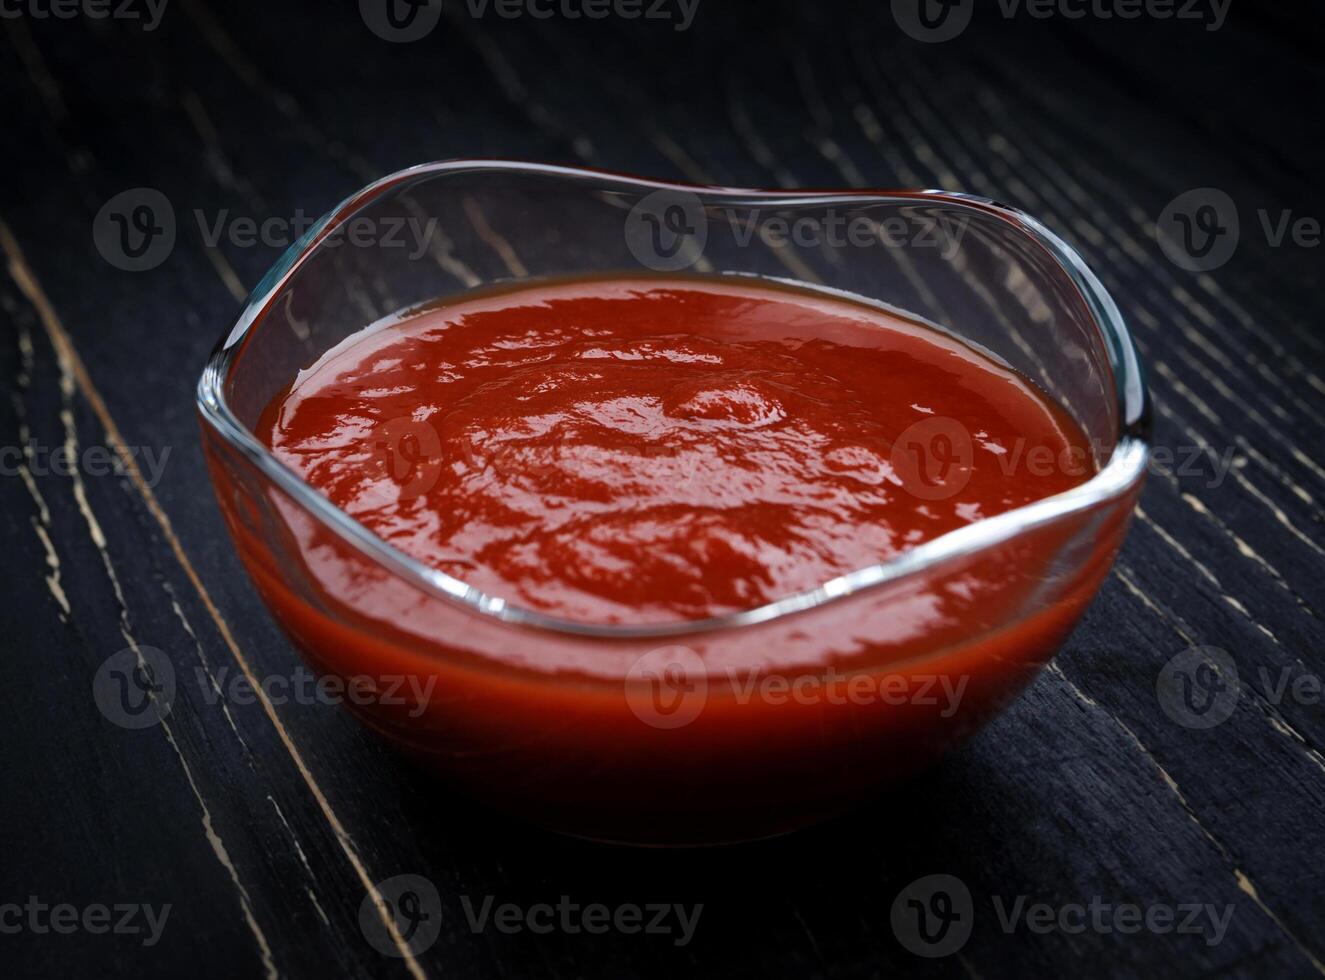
[
  {"x": 644, "y": 451},
  {"x": 644, "y": 494}
]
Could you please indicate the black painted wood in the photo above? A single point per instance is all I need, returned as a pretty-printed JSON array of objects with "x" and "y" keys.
[{"x": 264, "y": 829}]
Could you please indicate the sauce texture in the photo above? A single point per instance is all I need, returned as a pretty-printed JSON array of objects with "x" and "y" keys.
[{"x": 657, "y": 449}]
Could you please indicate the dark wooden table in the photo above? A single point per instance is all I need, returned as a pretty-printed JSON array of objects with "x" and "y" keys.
[{"x": 263, "y": 826}]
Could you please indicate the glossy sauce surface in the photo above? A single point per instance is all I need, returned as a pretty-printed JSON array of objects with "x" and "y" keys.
[{"x": 651, "y": 450}]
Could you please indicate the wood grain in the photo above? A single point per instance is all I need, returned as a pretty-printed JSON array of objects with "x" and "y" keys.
[{"x": 265, "y": 825}]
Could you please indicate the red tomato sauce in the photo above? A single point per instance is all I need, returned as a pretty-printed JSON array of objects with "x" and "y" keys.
[{"x": 659, "y": 449}]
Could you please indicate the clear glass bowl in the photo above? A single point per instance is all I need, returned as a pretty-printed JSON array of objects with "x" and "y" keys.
[{"x": 695, "y": 732}]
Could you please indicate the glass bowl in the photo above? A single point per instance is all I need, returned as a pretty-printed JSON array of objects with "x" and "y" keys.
[{"x": 694, "y": 732}]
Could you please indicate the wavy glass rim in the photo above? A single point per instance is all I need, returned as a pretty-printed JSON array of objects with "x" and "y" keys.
[{"x": 1122, "y": 471}]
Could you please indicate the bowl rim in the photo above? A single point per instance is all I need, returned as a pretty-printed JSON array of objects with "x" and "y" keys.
[{"x": 1124, "y": 469}]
